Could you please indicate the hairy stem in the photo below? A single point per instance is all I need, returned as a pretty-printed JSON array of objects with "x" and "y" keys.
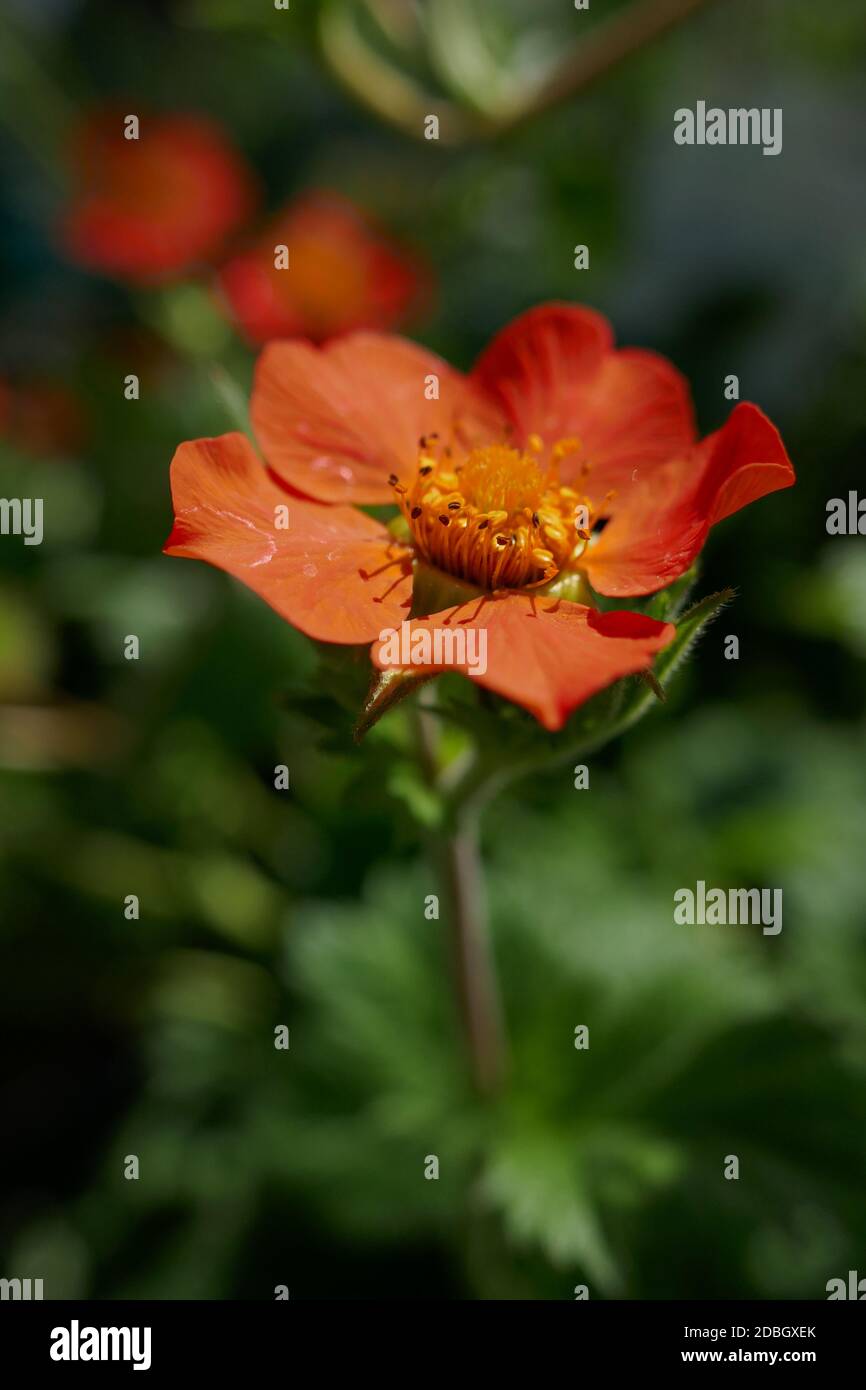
[
  {"x": 472, "y": 954},
  {"x": 462, "y": 875}
]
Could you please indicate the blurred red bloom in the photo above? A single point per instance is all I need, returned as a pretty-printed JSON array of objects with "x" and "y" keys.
[
  {"x": 343, "y": 274},
  {"x": 503, "y": 480},
  {"x": 151, "y": 208},
  {"x": 41, "y": 417}
]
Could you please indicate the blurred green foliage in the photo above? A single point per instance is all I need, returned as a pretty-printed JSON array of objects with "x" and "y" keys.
[{"x": 155, "y": 1037}]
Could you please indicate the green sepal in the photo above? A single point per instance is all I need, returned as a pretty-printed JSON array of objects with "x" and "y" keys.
[
  {"x": 386, "y": 690},
  {"x": 689, "y": 628},
  {"x": 511, "y": 742},
  {"x": 571, "y": 585},
  {"x": 670, "y": 602}
]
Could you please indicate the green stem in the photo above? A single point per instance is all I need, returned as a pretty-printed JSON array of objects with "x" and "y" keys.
[
  {"x": 606, "y": 46},
  {"x": 462, "y": 874},
  {"x": 472, "y": 954}
]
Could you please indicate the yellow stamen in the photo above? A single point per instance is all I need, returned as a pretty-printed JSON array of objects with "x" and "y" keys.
[{"x": 497, "y": 516}]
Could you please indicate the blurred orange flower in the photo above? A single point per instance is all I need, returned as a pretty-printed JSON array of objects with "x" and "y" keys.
[
  {"x": 342, "y": 274},
  {"x": 150, "y": 208}
]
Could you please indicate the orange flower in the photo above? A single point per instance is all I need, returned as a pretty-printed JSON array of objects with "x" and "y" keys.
[
  {"x": 501, "y": 481},
  {"x": 342, "y": 275},
  {"x": 150, "y": 208}
]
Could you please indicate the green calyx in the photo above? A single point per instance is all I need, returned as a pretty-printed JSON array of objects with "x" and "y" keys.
[{"x": 433, "y": 590}]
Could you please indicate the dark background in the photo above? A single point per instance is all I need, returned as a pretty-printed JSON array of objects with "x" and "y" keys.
[{"x": 155, "y": 777}]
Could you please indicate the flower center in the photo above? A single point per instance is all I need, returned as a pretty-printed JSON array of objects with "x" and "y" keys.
[{"x": 499, "y": 518}]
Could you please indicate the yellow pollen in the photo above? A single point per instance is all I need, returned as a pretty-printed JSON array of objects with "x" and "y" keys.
[
  {"x": 498, "y": 517},
  {"x": 563, "y": 448}
]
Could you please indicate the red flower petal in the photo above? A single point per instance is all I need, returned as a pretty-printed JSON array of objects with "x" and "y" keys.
[
  {"x": 555, "y": 373},
  {"x": 335, "y": 422},
  {"x": 548, "y": 657},
  {"x": 746, "y": 459},
  {"x": 662, "y": 518},
  {"x": 334, "y": 573},
  {"x": 152, "y": 207},
  {"x": 343, "y": 275}
]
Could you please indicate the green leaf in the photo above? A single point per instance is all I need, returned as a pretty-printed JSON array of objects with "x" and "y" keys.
[
  {"x": 406, "y": 783},
  {"x": 536, "y": 1182},
  {"x": 463, "y": 57}
]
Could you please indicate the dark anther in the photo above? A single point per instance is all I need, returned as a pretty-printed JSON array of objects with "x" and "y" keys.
[{"x": 416, "y": 512}]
